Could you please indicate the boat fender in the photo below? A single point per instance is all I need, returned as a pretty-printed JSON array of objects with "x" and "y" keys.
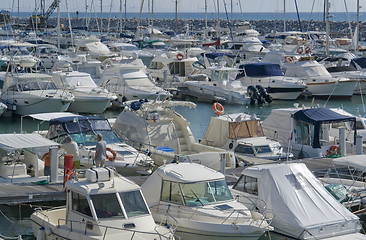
[
  {"x": 113, "y": 156},
  {"x": 41, "y": 234},
  {"x": 300, "y": 50},
  {"x": 307, "y": 50},
  {"x": 218, "y": 108}
]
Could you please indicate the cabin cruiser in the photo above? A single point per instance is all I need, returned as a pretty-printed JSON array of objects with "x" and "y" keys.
[
  {"x": 29, "y": 93},
  {"x": 243, "y": 134},
  {"x": 303, "y": 208},
  {"x": 309, "y": 132},
  {"x": 88, "y": 97},
  {"x": 156, "y": 127},
  {"x": 100, "y": 204},
  {"x": 21, "y": 158},
  {"x": 319, "y": 81},
  {"x": 130, "y": 82},
  {"x": 83, "y": 130},
  {"x": 199, "y": 199},
  {"x": 220, "y": 87},
  {"x": 270, "y": 77}
]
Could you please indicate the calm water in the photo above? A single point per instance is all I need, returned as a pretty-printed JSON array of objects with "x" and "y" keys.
[
  {"x": 317, "y": 16},
  {"x": 199, "y": 118}
]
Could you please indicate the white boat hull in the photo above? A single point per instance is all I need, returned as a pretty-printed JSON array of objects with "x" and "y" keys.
[
  {"x": 340, "y": 89},
  {"x": 89, "y": 104}
]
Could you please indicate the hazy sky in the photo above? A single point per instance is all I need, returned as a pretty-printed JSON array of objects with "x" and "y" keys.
[{"x": 189, "y": 5}]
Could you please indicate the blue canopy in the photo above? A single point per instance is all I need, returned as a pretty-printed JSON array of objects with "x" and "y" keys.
[
  {"x": 318, "y": 116},
  {"x": 359, "y": 61},
  {"x": 217, "y": 54},
  {"x": 262, "y": 69}
]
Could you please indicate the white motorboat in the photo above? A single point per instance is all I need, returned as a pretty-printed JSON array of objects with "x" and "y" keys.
[
  {"x": 130, "y": 82},
  {"x": 319, "y": 81},
  {"x": 21, "y": 158},
  {"x": 270, "y": 77},
  {"x": 88, "y": 97},
  {"x": 29, "y": 93},
  {"x": 83, "y": 130},
  {"x": 199, "y": 199},
  {"x": 243, "y": 134},
  {"x": 303, "y": 208},
  {"x": 156, "y": 127},
  {"x": 221, "y": 87},
  {"x": 308, "y": 132},
  {"x": 3, "y": 108},
  {"x": 100, "y": 205}
]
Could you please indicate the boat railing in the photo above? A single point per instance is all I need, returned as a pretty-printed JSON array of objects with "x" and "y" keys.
[
  {"x": 91, "y": 225},
  {"x": 40, "y": 212},
  {"x": 257, "y": 205}
]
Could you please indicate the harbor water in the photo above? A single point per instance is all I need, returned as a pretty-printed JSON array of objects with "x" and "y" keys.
[{"x": 14, "y": 220}]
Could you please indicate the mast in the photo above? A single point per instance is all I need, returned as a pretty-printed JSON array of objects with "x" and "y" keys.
[
  {"x": 152, "y": 13},
  {"x": 327, "y": 28},
  {"x": 176, "y": 16},
  {"x": 101, "y": 15},
  {"x": 284, "y": 15},
  {"x": 125, "y": 13},
  {"x": 218, "y": 18},
  {"x": 358, "y": 24},
  {"x": 58, "y": 28},
  {"x": 205, "y": 18},
  {"x": 231, "y": 16},
  {"x": 120, "y": 16},
  {"x": 139, "y": 21}
]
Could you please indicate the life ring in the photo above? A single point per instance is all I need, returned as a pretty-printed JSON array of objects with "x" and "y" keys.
[
  {"x": 300, "y": 50},
  {"x": 218, "y": 108},
  {"x": 307, "y": 50},
  {"x": 289, "y": 59},
  {"x": 333, "y": 150},
  {"x": 114, "y": 154},
  {"x": 68, "y": 175},
  {"x": 180, "y": 56}
]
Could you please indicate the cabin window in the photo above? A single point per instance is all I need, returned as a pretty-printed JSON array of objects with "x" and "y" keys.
[
  {"x": 80, "y": 204},
  {"x": 359, "y": 125},
  {"x": 107, "y": 206},
  {"x": 133, "y": 203},
  {"x": 156, "y": 65},
  {"x": 13, "y": 88},
  {"x": 247, "y": 184},
  {"x": 304, "y": 133},
  {"x": 198, "y": 65},
  {"x": 215, "y": 76},
  {"x": 170, "y": 192},
  {"x": 220, "y": 191},
  {"x": 244, "y": 149},
  {"x": 263, "y": 149},
  {"x": 48, "y": 86},
  {"x": 177, "y": 68}
]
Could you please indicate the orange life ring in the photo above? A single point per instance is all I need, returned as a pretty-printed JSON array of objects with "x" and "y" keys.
[
  {"x": 300, "y": 50},
  {"x": 114, "y": 154},
  {"x": 333, "y": 150},
  {"x": 289, "y": 59},
  {"x": 68, "y": 175},
  {"x": 218, "y": 108},
  {"x": 180, "y": 56},
  {"x": 307, "y": 50}
]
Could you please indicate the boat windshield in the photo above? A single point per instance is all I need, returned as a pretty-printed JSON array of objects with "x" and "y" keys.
[
  {"x": 107, "y": 206},
  {"x": 80, "y": 81},
  {"x": 316, "y": 71},
  {"x": 202, "y": 193},
  {"x": 263, "y": 149},
  {"x": 31, "y": 86},
  {"x": 133, "y": 203}
]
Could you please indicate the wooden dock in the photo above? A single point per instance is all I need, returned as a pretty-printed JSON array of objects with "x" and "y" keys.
[{"x": 17, "y": 193}]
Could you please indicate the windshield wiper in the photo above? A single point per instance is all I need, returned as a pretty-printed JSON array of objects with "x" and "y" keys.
[{"x": 198, "y": 199}]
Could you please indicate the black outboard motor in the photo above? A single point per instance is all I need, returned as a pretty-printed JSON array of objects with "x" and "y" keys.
[
  {"x": 254, "y": 95},
  {"x": 262, "y": 91}
]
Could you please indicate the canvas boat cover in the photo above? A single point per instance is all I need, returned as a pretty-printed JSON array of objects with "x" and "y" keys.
[
  {"x": 12, "y": 142},
  {"x": 318, "y": 116},
  {"x": 262, "y": 69},
  {"x": 355, "y": 161},
  {"x": 298, "y": 198},
  {"x": 233, "y": 126}
]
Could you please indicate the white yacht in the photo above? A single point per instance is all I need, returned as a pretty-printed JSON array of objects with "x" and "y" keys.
[
  {"x": 29, "y": 93},
  {"x": 220, "y": 87},
  {"x": 156, "y": 127},
  {"x": 271, "y": 77},
  {"x": 319, "y": 81},
  {"x": 199, "y": 199},
  {"x": 130, "y": 82},
  {"x": 100, "y": 204},
  {"x": 303, "y": 208},
  {"x": 309, "y": 132},
  {"x": 88, "y": 97},
  {"x": 243, "y": 134},
  {"x": 83, "y": 130}
]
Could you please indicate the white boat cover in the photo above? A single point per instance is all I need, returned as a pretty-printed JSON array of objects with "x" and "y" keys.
[
  {"x": 97, "y": 48},
  {"x": 49, "y": 116},
  {"x": 298, "y": 198},
  {"x": 12, "y": 142},
  {"x": 182, "y": 173},
  {"x": 356, "y": 161}
]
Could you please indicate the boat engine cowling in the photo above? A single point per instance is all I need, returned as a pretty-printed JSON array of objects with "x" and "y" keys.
[
  {"x": 262, "y": 91},
  {"x": 254, "y": 95}
]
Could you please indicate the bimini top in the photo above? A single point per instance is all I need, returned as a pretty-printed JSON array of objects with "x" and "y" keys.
[
  {"x": 318, "y": 116},
  {"x": 12, "y": 142},
  {"x": 72, "y": 119},
  {"x": 262, "y": 69}
]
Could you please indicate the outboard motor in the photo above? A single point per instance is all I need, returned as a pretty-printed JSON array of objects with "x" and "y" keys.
[
  {"x": 262, "y": 91},
  {"x": 254, "y": 95}
]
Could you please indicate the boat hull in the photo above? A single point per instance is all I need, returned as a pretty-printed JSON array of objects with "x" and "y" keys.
[
  {"x": 341, "y": 89},
  {"x": 89, "y": 105}
]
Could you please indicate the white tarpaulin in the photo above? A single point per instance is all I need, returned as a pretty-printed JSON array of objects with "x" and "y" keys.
[
  {"x": 300, "y": 201},
  {"x": 356, "y": 161},
  {"x": 11, "y": 142}
]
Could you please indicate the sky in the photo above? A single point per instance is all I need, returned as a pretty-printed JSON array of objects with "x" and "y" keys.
[{"x": 189, "y": 5}]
